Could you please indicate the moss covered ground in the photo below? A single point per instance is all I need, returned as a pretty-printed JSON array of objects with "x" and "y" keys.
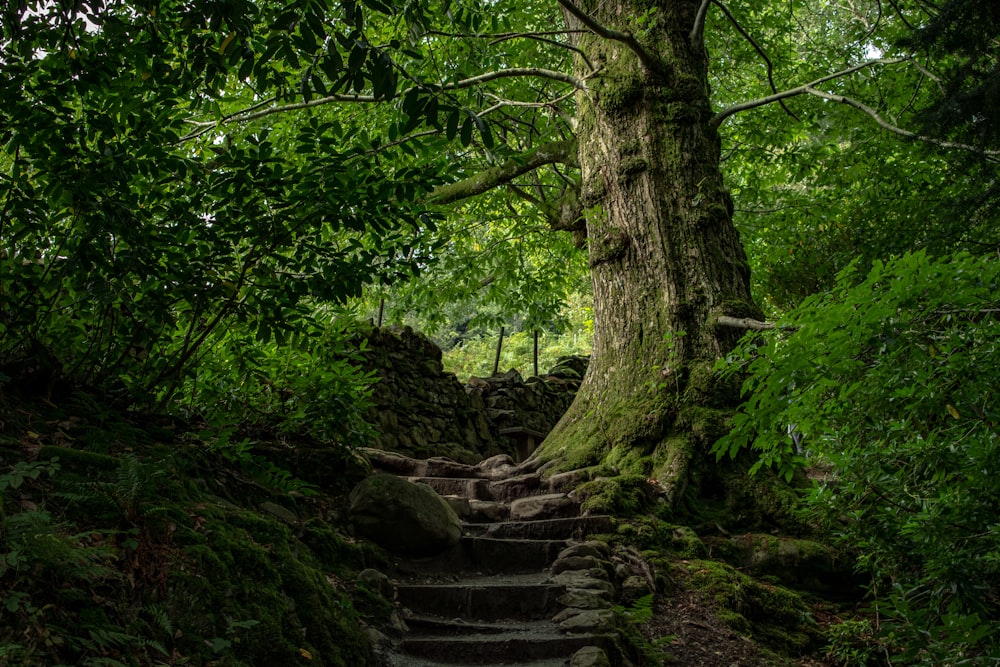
[{"x": 131, "y": 541}]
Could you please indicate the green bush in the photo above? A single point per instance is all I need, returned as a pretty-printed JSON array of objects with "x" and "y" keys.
[{"x": 891, "y": 381}]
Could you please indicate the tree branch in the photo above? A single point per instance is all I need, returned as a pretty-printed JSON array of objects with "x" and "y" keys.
[
  {"x": 248, "y": 114},
  {"x": 547, "y": 104},
  {"x": 743, "y": 323},
  {"x": 799, "y": 90},
  {"x": 698, "y": 30},
  {"x": 545, "y": 40},
  {"x": 886, "y": 125},
  {"x": 649, "y": 63},
  {"x": 760, "y": 51},
  {"x": 563, "y": 152}
]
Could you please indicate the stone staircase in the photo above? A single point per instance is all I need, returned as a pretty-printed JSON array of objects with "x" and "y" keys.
[{"x": 524, "y": 586}]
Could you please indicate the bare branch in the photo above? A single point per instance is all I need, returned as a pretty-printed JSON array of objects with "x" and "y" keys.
[
  {"x": 698, "y": 30},
  {"x": 531, "y": 72},
  {"x": 563, "y": 152},
  {"x": 649, "y": 63},
  {"x": 547, "y": 104},
  {"x": 760, "y": 51},
  {"x": 799, "y": 90},
  {"x": 886, "y": 125},
  {"x": 545, "y": 40},
  {"x": 743, "y": 323}
]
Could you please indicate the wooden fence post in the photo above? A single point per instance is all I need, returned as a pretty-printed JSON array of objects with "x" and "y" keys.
[
  {"x": 536, "y": 353},
  {"x": 496, "y": 361}
]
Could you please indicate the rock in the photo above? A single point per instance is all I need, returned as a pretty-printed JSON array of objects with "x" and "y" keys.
[
  {"x": 582, "y": 599},
  {"x": 279, "y": 512},
  {"x": 587, "y": 620},
  {"x": 397, "y": 623},
  {"x": 403, "y": 517},
  {"x": 460, "y": 505},
  {"x": 582, "y": 580},
  {"x": 592, "y": 548},
  {"x": 377, "y": 582},
  {"x": 548, "y": 506},
  {"x": 496, "y": 467},
  {"x": 487, "y": 511},
  {"x": 590, "y": 656},
  {"x": 570, "y": 479},
  {"x": 635, "y": 587},
  {"x": 575, "y": 563},
  {"x": 515, "y": 487}
]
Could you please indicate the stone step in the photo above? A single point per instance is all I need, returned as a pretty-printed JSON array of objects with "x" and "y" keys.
[
  {"x": 496, "y": 467},
  {"x": 413, "y": 661},
  {"x": 479, "y": 554},
  {"x": 565, "y": 528},
  {"x": 435, "y": 625},
  {"x": 506, "y": 648},
  {"x": 483, "y": 600},
  {"x": 478, "y": 488}
]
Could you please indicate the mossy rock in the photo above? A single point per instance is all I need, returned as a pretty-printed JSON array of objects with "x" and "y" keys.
[
  {"x": 801, "y": 564},
  {"x": 403, "y": 517},
  {"x": 772, "y": 615}
]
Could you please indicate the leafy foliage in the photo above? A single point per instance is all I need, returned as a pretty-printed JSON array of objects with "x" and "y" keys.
[
  {"x": 128, "y": 240},
  {"x": 965, "y": 32},
  {"x": 889, "y": 381}
]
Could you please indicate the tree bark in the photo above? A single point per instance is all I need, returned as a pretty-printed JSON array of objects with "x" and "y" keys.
[{"x": 665, "y": 258}]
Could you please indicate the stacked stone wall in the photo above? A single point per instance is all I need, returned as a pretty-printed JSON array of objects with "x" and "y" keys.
[{"x": 422, "y": 411}]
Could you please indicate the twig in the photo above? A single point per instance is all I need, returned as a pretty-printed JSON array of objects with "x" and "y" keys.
[
  {"x": 886, "y": 125},
  {"x": 247, "y": 115},
  {"x": 545, "y": 40}
]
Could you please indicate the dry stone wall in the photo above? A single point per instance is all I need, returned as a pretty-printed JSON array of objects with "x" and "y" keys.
[{"x": 422, "y": 411}]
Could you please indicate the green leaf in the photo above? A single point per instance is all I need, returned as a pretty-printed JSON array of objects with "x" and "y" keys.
[{"x": 465, "y": 133}]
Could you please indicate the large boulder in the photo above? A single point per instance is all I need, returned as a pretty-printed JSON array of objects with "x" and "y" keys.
[{"x": 403, "y": 517}]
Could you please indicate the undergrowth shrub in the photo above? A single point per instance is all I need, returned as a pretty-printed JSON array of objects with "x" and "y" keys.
[{"x": 889, "y": 381}]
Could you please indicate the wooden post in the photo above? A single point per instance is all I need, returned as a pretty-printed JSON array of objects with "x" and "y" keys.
[
  {"x": 381, "y": 309},
  {"x": 496, "y": 362},
  {"x": 536, "y": 353}
]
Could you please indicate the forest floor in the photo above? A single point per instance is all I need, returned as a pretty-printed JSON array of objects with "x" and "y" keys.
[
  {"x": 685, "y": 625},
  {"x": 173, "y": 529}
]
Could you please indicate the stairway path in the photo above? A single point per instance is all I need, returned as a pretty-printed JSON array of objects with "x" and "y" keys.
[{"x": 523, "y": 587}]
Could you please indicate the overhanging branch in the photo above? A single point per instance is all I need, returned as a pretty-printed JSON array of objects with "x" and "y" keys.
[
  {"x": 556, "y": 152},
  {"x": 758, "y": 48},
  {"x": 254, "y": 112},
  {"x": 799, "y": 90},
  {"x": 698, "y": 31},
  {"x": 886, "y": 125}
]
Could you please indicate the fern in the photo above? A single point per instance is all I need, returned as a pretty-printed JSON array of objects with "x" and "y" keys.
[
  {"x": 639, "y": 612},
  {"x": 124, "y": 494}
]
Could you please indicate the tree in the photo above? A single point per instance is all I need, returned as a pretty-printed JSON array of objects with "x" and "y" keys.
[{"x": 603, "y": 121}]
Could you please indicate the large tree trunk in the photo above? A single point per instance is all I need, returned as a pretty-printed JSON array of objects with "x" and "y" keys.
[{"x": 665, "y": 257}]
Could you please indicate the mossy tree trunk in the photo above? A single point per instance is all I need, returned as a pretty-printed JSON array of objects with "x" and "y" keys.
[{"x": 665, "y": 257}]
